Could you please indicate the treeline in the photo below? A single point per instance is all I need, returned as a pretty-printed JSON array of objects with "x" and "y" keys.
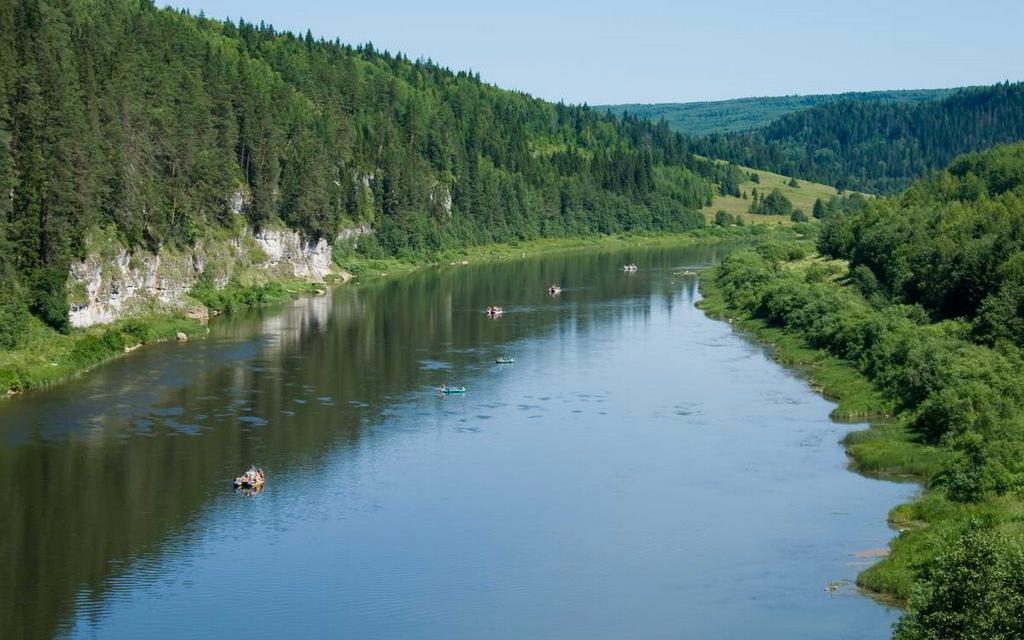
[
  {"x": 930, "y": 311},
  {"x": 878, "y": 147},
  {"x": 744, "y": 114},
  {"x": 162, "y": 125}
]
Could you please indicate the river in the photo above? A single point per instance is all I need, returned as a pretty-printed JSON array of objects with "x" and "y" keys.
[{"x": 641, "y": 471}]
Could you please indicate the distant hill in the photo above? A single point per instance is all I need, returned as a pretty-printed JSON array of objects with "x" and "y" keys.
[
  {"x": 744, "y": 114},
  {"x": 878, "y": 147}
]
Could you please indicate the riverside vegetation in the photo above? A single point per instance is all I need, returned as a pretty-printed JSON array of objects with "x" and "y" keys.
[{"x": 911, "y": 312}]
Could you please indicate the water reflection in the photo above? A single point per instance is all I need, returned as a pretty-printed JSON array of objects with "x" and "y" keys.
[{"x": 116, "y": 474}]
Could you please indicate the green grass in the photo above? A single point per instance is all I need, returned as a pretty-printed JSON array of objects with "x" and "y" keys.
[
  {"x": 802, "y": 197},
  {"x": 46, "y": 356},
  {"x": 891, "y": 450}
]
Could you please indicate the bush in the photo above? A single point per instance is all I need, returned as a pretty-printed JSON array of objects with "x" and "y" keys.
[
  {"x": 974, "y": 590},
  {"x": 14, "y": 316},
  {"x": 799, "y": 216},
  {"x": 775, "y": 204},
  {"x": 50, "y": 298},
  {"x": 782, "y": 251},
  {"x": 864, "y": 279},
  {"x": 820, "y": 272}
]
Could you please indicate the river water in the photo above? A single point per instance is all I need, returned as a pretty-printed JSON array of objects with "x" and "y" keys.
[{"x": 641, "y": 471}]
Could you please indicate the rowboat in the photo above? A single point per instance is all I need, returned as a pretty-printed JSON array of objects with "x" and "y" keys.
[
  {"x": 494, "y": 312},
  {"x": 554, "y": 290},
  {"x": 629, "y": 268},
  {"x": 505, "y": 360},
  {"x": 447, "y": 389}
]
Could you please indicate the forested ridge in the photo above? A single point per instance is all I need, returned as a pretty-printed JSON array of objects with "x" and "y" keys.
[
  {"x": 930, "y": 310},
  {"x": 878, "y": 147},
  {"x": 744, "y": 114},
  {"x": 161, "y": 125}
]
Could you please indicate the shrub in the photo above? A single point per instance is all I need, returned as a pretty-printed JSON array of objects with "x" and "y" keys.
[
  {"x": 50, "y": 298},
  {"x": 975, "y": 589},
  {"x": 820, "y": 272},
  {"x": 14, "y": 316}
]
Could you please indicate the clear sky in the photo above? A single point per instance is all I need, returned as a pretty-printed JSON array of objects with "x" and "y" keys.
[{"x": 603, "y": 52}]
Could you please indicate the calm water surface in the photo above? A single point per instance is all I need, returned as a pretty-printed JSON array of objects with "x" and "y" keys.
[{"x": 641, "y": 471}]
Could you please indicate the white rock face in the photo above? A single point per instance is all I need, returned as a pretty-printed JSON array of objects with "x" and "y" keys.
[
  {"x": 286, "y": 249},
  {"x": 133, "y": 282},
  {"x": 122, "y": 286},
  {"x": 353, "y": 233}
]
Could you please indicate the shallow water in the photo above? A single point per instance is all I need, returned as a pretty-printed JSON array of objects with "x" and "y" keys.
[{"x": 640, "y": 471}]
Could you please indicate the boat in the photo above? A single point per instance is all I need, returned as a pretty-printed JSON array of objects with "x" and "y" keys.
[
  {"x": 505, "y": 360},
  {"x": 629, "y": 268},
  {"x": 253, "y": 478},
  {"x": 494, "y": 312},
  {"x": 446, "y": 389},
  {"x": 554, "y": 290}
]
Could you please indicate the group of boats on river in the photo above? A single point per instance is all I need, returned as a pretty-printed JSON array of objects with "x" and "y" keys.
[
  {"x": 253, "y": 479},
  {"x": 494, "y": 311}
]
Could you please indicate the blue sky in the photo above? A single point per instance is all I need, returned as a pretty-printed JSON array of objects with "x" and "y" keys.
[{"x": 661, "y": 51}]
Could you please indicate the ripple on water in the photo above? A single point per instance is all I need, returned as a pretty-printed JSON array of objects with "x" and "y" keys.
[
  {"x": 168, "y": 412},
  {"x": 182, "y": 427}
]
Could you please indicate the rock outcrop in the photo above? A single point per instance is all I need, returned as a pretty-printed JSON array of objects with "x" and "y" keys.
[
  {"x": 292, "y": 256},
  {"x": 113, "y": 283}
]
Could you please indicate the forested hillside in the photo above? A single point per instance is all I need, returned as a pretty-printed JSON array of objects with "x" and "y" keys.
[
  {"x": 162, "y": 126},
  {"x": 744, "y": 114},
  {"x": 878, "y": 147},
  {"x": 953, "y": 244}
]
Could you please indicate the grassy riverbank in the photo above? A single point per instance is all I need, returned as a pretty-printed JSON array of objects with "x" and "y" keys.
[
  {"x": 45, "y": 356},
  {"x": 789, "y": 304},
  {"x": 364, "y": 267}
]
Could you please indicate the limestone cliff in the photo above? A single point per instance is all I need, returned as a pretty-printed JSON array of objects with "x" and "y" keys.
[{"x": 113, "y": 282}]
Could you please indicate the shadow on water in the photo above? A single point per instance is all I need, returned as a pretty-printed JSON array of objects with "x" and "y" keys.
[{"x": 107, "y": 471}]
